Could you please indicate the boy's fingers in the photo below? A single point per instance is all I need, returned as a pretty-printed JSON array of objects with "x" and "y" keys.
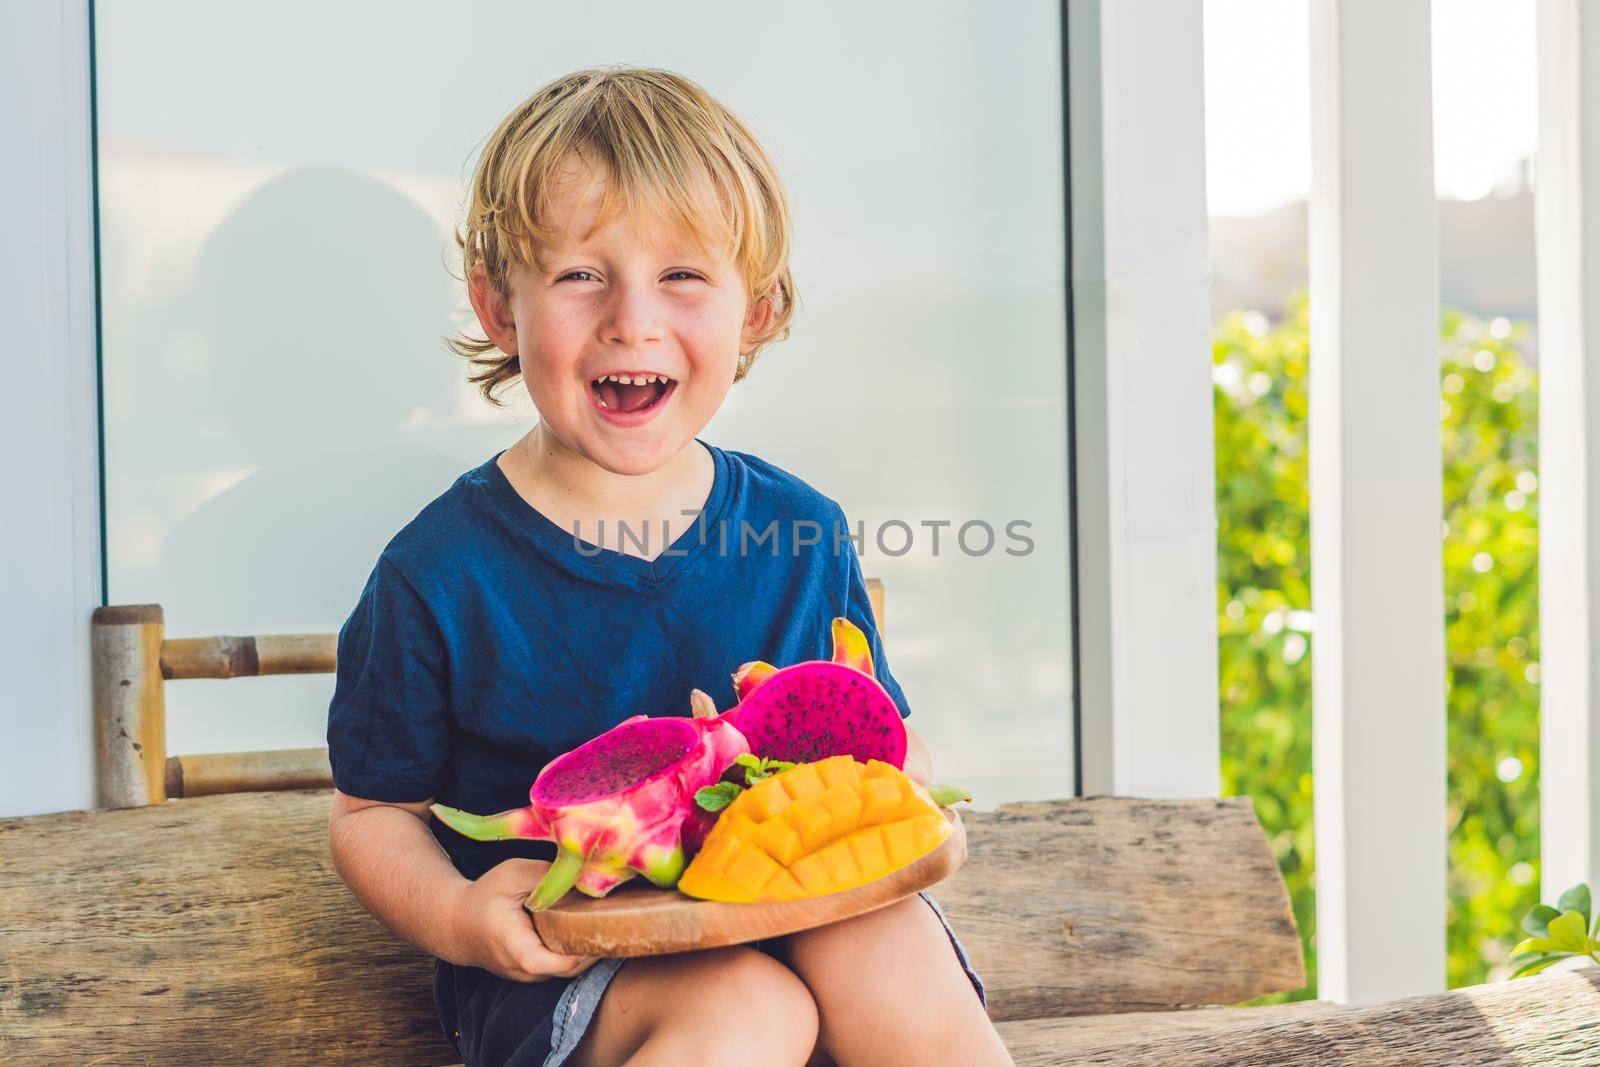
[
  {"x": 547, "y": 964},
  {"x": 522, "y": 876}
]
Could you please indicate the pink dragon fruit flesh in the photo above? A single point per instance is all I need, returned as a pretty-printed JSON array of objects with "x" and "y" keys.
[
  {"x": 819, "y": 708},
  {"x": 614, "y": 806}
]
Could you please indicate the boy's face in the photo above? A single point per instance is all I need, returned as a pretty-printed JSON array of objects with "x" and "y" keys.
[{"x": 621, "y": 305}]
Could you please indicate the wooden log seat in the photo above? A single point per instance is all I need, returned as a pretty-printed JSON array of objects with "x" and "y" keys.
[{"x": 214, "y": 929}]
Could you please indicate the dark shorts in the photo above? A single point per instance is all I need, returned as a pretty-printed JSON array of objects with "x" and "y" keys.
[{"x": 495, "y": 1022}]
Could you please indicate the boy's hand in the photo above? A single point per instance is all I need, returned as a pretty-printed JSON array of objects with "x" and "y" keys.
[
  {"x": 495, "y": 932},
  {"x": 919, "y": 762}
]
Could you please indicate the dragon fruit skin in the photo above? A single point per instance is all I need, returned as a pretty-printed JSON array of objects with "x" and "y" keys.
[
  {"x": 614, "y": 806},
  {"x": 819, "y": 708}
]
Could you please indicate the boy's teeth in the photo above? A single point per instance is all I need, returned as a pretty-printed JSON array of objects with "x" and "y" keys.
[{"x": 625, "y": 380}]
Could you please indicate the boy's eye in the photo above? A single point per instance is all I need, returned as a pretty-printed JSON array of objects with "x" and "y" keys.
[{"x": 587, "y": 275}]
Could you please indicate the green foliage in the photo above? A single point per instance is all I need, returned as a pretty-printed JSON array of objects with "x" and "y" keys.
[
  {"x": 1489, "y": 430},
  {"x": 1557, "y": 933}
]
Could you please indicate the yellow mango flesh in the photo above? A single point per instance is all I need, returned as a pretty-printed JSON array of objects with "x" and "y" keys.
[{"x": 815, "y": 829}]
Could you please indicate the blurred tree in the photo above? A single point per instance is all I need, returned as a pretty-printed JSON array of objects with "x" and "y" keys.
[{"x": 1489, "y": 407}]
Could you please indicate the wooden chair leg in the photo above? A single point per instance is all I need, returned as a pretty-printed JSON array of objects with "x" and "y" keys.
[{"x": 129, "y": 705}]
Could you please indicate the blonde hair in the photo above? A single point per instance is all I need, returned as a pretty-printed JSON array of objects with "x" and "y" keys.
[{"x": 661, "y": 140}]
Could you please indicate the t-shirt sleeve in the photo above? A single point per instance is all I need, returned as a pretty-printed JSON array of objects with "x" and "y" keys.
[
  {"x": 858, "y": 609},
  {"x": 389, "y": 726}
]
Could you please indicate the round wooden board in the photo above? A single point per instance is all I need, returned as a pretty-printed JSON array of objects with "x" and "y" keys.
[{"x": 637, "y": 919}]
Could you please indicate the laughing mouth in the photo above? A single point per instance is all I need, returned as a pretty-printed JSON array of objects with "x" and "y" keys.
[{"x": 628, "y": 393}]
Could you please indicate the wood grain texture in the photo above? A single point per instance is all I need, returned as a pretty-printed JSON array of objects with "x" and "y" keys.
[
  {"x": 1549, "y": 1019},
  {"x": 642, "y": 920},
  {"x": 1064, "y": 1040},
  {"x": 248, "y": 657},
  {"x": 193, "y": 931},
  {"x": 1113, "y": 904},
  {"x": 200, "y": 927},
  {"x": 243, "y": 772}
]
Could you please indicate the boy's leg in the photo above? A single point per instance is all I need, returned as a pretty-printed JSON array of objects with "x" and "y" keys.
[
  {"x": 721, "y": 1006},
  {"x": 890, "y": 989}
]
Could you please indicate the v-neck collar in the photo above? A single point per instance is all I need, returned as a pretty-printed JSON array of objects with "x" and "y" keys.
[{"x": 605, "y": 563}]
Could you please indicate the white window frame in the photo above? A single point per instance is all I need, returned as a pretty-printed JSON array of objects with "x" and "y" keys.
[
  {"x": 1146, "y": 537},
  {"x": 1568, "y": 239}
]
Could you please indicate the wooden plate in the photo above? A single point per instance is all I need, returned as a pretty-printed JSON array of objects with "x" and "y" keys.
[{"x": 637, "y": 919}]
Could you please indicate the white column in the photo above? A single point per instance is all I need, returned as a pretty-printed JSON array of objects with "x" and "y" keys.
[
  {"x": 1146, "y": 499},
  {"x": 1377, "y": 581},
  {"x": 49, "y": 469},
  {"x": 1569, "y": 443}
]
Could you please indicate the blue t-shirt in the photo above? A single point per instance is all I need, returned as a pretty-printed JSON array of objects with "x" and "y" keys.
[{"x": 489, "y": 640}]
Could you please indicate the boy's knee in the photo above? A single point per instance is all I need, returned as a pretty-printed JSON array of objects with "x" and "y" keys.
[{"x": 759, "y": 997}]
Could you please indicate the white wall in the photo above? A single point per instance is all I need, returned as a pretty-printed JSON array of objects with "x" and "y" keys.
[
  {"x": 276, "y": 218},
  {"x": 50, "y": 532}
]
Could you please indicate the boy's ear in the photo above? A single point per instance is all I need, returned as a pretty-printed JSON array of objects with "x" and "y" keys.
[
  {"x": 494, "y": 314},
  {"x": 756, "y": 324}
]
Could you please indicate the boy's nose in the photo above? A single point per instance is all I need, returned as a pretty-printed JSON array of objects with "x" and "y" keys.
[{"x": 633, "y": 315}]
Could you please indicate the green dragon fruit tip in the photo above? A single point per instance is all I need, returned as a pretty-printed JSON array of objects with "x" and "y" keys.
[
  {"x": 501, "y": 827},
  {"x": 946, "y": 795},
  {"x": 666, "y": 870},
  {"x": 561, "y": 876}
]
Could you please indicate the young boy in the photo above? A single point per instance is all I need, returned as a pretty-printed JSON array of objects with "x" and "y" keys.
[{"x": 626, "y": 254}]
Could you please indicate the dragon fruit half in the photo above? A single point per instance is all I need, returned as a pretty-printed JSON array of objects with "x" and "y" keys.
[
  {"x": 819, "y": 708},
  {"x": 624, "y": 802},
  {"x": 614, "y": 806}
]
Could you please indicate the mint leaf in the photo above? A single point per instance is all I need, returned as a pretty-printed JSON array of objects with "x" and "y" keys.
[
  {"x": 766, "y": 769},
  {"x": 756, "y": 768},
  {"x": 718, "y": 796}
]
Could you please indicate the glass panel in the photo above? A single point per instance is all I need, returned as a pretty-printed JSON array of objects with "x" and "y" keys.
[
  {"x": 279, "y": 186},
  {"x": 1258, "y": 178},
  {"x": 1486, "y": 126}
]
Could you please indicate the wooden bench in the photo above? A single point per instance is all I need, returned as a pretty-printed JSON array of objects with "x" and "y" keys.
[{"x": 215, "y": 929}]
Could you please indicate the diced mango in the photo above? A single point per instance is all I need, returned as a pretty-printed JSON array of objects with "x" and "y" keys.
[
  {"x": 767, "y": 798},
  {"x": 718, "y": 850},
  {"x": 841, "y": 863},
  {"x": 740, "y": 825},
  {"x": 779, "y": 840},
  {"x": 844, "y": 806},
  {"x": 812, "y": 873},
  {"x": 712, "y": 885},
  {"x": 879, "y": 799},
  {"x": 839, "y": 771},
  {"x": 809, "y": 816},
  {"x": 901, "y": 842},
  {"x": 815, "y": 829},
  {"x": 752, "y": 869},
  {"x": 784, "y": 887},
  {"x": 930, "y": 830},
  {"x": 801, "y": 781},
  {"x": 867, "y": 845}
]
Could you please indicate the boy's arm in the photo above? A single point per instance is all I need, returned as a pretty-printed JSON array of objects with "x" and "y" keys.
[{"x": 388, "y": 857}]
